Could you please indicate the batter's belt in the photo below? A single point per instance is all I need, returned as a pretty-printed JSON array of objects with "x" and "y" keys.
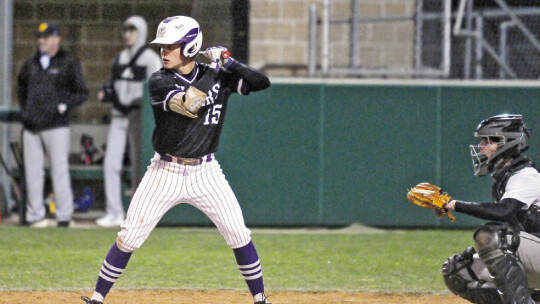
[{"x": 187, "y": 161}]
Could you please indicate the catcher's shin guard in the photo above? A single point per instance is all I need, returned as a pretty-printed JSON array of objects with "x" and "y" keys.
[
  {"x": 462, "y": 281},
  {"x": 496, "y": 245}
]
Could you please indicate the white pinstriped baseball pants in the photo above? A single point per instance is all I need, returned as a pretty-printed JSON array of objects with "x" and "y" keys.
[{"x": 167, "y": 184}]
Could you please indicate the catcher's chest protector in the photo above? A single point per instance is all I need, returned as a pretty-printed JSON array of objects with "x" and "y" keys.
[{"x": 501, "y": 178}]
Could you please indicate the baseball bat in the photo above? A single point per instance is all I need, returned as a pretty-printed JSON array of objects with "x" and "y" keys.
[
  {"x": 226, "y": 55},
  {"x": 200, "y": 56}
]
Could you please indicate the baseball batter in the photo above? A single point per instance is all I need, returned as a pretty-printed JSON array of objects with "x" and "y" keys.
[
  {"x": 505, "y": 266},
  {"x": 189, "y": 101}
]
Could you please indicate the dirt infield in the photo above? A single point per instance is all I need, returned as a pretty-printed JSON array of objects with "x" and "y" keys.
[{"x": 227, "y": 297}]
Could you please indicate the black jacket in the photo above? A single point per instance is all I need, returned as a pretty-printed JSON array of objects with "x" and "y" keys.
[{"x": 41, "y": 91}]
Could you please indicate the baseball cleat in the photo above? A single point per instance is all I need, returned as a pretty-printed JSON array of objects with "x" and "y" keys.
[
  {"x": 88, "y": 301},
  {"x": 263, "y": 301}
]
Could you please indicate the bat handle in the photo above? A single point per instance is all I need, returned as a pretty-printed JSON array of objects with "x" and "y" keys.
[{"x": 226, "y": 55}]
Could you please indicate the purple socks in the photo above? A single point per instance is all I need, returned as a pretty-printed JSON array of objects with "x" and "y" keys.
[
  {"x": 250, "y": 267},
  {"x": 112, "y": 268},
  {"x": 116, "y": 261}
]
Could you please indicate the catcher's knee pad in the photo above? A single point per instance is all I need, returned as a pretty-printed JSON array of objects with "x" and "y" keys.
[
  {"x": 495, "y": 238},
  {"x": 496, "y": 245},
  {"x": 462, "y": 281}
]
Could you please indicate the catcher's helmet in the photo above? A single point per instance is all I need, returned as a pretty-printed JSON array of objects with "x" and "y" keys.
[
  {"x": 180, "y": 30},
  {"x": 511, "y": 136}
]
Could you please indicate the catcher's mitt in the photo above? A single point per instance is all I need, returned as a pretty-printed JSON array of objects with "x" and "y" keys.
[{"x": 429, "y": 196}]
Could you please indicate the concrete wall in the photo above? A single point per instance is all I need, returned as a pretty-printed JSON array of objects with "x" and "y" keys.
[{"x": 279, "y": 33}]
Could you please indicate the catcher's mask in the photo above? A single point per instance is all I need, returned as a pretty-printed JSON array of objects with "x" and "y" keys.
[
  {"x": 180, "y": 30},
  {"x": 511, "y": 136}
]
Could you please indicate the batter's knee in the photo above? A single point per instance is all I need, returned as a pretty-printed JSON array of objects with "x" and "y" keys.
[
  {"x": 127, "y": 244},
  {"x": 237, "y": 239},
  {"x": 124, "y": 246}
]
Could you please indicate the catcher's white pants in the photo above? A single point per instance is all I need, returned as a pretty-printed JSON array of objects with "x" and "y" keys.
[
  {"x": 120, "y": 129},
  {"x": 55, "y": 143},
  {"x": 529, "y": 247},
  {"x": 167, "y": 184}
]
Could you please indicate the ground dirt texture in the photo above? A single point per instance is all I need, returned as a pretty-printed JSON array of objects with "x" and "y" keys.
[{"x": 227, "y": 297}]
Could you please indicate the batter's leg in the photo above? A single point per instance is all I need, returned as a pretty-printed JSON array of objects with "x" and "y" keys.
[
  {"x": 57, "y": 143},
  {"x": 212, "y": 194},
  {"x": 114, "y": 265},
  {"x": 159, "y": 191},
  {"x": 250, "y": 268},
  {"x": 34, "y": 157}
]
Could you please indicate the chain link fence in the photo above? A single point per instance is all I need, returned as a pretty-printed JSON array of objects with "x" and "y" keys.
[
  {"x": 496, "y": 39},
  {"x": 456, "y": 39}
]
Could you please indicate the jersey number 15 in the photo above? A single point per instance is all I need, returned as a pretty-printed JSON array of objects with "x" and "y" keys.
[{"x": 212, "y": 115}]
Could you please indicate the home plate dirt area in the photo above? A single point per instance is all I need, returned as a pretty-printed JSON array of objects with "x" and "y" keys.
[{"x": 227, "y": 297}]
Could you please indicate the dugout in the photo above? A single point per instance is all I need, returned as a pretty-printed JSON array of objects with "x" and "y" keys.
[{"x": 336, "y": 152}]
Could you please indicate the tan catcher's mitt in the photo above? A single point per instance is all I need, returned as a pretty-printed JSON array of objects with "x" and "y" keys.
[{"x": 429, "y": 196}]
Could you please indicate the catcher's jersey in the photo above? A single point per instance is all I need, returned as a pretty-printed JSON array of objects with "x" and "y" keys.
[
  {"x": 181, "y": 136},
  {"x": 524, "y": 186}
]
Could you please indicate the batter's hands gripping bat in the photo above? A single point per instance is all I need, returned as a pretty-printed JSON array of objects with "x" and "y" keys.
[
  {"x": 429, "y": 196},
  {"x": 217, "y": 54}
]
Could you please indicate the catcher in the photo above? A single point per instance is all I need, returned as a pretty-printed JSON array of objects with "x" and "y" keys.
[{"x": 504, "y": 266}]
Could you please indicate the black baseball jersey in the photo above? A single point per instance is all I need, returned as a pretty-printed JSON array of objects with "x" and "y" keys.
[{"x": 181, "y": 136}]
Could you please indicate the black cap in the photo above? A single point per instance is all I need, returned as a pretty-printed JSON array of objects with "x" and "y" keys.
[{"x": 46, "y": 29}]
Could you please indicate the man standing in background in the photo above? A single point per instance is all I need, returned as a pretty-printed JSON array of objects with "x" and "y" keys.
[
  {"x": 50, "y": 84},
  {"x": 130, "y": 69}
]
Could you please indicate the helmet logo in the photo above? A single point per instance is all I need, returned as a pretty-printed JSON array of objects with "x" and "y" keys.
[{"x": 161, "y": 31}]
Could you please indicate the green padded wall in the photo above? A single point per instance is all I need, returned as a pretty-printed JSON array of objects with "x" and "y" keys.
[{"x": 334, "y": 154}]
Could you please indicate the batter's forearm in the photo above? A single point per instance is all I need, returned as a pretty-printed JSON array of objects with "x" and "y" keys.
[{"x": 256, "y": 80}]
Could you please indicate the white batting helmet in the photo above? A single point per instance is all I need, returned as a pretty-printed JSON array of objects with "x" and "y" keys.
[{"x": 180, "y": 29}]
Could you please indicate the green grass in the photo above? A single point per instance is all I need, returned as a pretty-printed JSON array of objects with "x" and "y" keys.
[{"x": 172, "y": 258}]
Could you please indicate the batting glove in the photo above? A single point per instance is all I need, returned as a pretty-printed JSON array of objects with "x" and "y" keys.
[{"x": 218, "y": 54}]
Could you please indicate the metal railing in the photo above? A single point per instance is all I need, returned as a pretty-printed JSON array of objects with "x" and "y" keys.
[
  {"x": 354, "y": 69},
  {"x": 482, "y": 44},
  {"x": 469, "y": 24}
]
